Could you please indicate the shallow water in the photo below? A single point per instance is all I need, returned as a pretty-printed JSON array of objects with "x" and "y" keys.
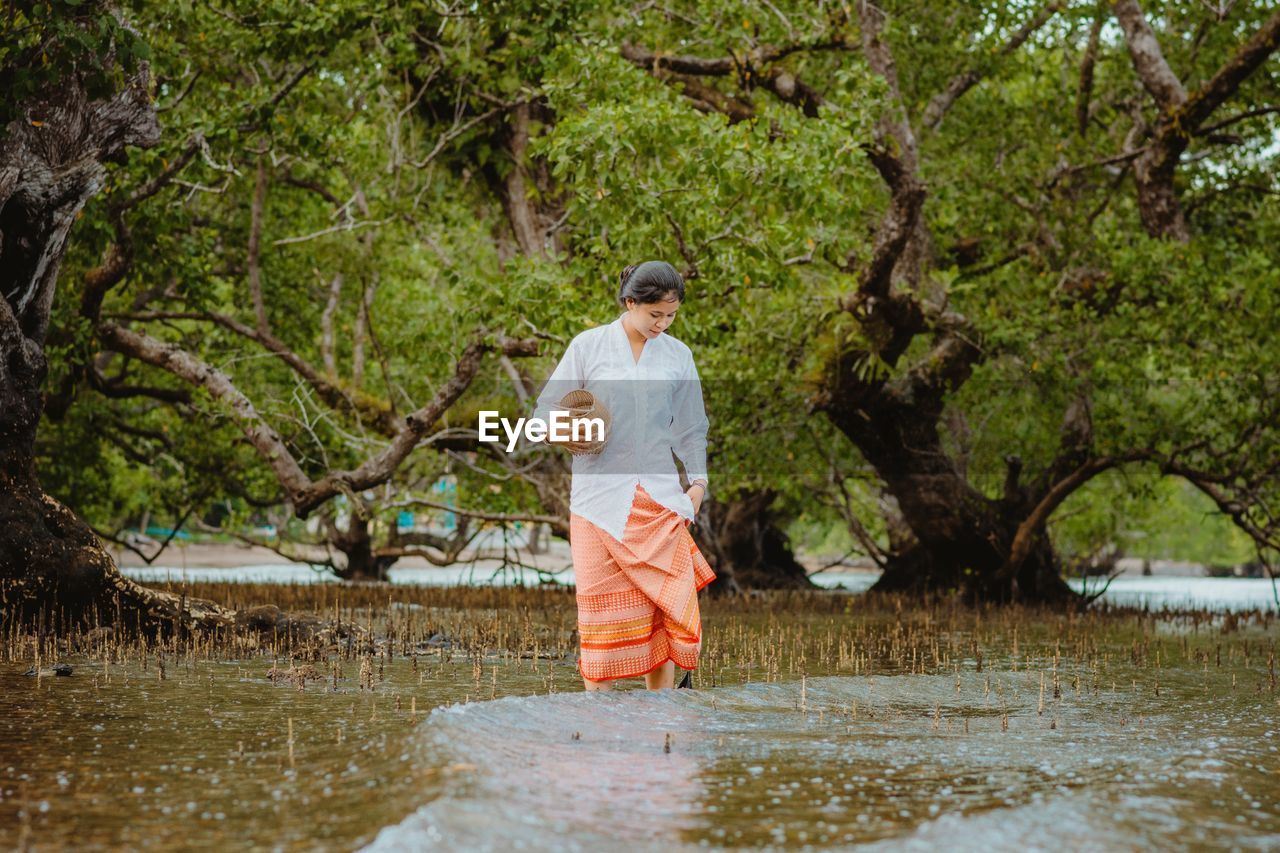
[
  {"x": 920, "y": 761},
  {"x": 1154, "y": 592},
  {"x": 917, "y": 728},
  {"x": 115, "y": 757},
  {"x": 1177, "y": 593}
]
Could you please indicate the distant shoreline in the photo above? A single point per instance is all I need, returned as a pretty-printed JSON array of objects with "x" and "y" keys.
[{"x": 207, "y": 555}]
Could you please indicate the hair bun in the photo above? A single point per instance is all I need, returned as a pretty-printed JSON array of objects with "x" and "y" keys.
[{"x": 651, "y": 281}]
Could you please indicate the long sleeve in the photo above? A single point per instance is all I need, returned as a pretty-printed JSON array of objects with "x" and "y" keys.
[
  {"x": 657, "y": 412},
  {"x": 689, "y": 424},
  {"x": 568, "y": 375}
]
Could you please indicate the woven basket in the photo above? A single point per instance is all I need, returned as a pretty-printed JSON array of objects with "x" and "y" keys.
[{"x": 583, "y": 404}]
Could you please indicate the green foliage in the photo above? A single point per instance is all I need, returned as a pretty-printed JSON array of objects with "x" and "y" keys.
[
  {"x": 646, "y": 172},
  {"x": 1147, "y": 516},
  {"x": 403, "y": 116},
  {"x": 42, "y": 43}
]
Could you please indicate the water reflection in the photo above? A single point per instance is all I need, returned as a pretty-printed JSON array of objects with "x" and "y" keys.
[
  {"x": 926, "y": 761},
  {"x": 575, "y": 772}
]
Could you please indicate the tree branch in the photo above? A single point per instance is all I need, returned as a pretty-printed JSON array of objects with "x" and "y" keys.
[
  {"x": 1230, "y": 506},
  {"x": 1233, "y": 72},
  {"x": 119, "y": 255},
  {"x": 315, "y": 187},
  {"x": 305, "y": 494},
  {"x": 416, "y": 425},
  {"x": 458, "y": 130},
  {"x": 448, "y": 555},
  {"x": 747, "y": 64},
  {"x": 1084, "y": 93},
  {"x": 333, "y": 229},
  {"x": 166, "y": 176},
  {"x": 279, "y": 548},
  {"x": 709, "y": 99},
  {"x": 373, "y": 412},
  {"x": 690, "y": 259},
  {"x": 1075, "y": 443},
  {"x": 115, "y": 265},
  {"x": 948, "y": 362},
  {"x": 1024, "y": 538},
  {"x": 895, "y": 230},
  {"x": 326, "y": 326},
  {"x": 1181, "y": 116},
  {"x": 253, "y": 124},
  {"x": 894, "y": 124},
  {"x": 478, "y": 514},
  {"x": 1239, "y": 117},
  {"x": 175, "y": 360},
  {"x": 791, "y": 90},
  {"x": 966, "y": 80},
  {"x": 255, "y": 244},
  {"x": 118, "y": 391},
  {"x": 751, "y": 69},
  {"x": 515, "y": 197},
  {"x": 1148, "y": 61}
]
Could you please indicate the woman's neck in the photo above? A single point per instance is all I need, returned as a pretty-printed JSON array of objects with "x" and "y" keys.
[{"x": 632, "y": 335}]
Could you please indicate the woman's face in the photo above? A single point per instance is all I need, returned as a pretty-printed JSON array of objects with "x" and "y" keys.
[{"x": 652, "y": 318}]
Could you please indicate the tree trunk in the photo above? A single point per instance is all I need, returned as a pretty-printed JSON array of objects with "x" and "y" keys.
[
  {"x": 1158, "y": 203},
  {"x": 920, "y": 569},
  {"x": 747, "y": 547},
  {"x": 356, "y": 543},
  {"x": 53, "y": 569},
  {"x": 962, "y": 537}
]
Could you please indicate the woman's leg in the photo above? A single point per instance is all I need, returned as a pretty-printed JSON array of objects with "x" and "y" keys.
[
  {"x": 661, "y": 677},
  {"x": 592, "y": 686}
]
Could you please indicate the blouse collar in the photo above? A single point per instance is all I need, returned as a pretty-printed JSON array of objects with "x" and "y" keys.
[{"x": 624, "y": 343}]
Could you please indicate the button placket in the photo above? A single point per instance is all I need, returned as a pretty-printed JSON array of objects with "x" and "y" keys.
[{"x": 637, "y": 403}]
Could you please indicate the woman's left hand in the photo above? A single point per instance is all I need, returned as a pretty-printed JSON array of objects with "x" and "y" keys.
[{"x": 696, "y": 493}]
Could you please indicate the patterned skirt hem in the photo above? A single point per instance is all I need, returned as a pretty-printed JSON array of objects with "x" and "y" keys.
[{"x": 689, "y": 663}]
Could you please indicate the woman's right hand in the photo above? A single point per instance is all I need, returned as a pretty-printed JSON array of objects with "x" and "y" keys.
[{"x": 701, "y": 493}]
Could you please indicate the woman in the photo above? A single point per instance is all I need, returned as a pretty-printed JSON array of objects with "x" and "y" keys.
[{"x": 637, "y": 569}]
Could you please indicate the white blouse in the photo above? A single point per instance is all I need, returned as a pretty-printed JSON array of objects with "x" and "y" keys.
[{"x": 656, "y": 407}]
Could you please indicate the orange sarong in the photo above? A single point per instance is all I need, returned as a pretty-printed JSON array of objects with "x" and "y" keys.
[{"x": 638, "y": 598}]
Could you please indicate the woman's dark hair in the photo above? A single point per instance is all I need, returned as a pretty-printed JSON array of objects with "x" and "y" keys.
[{"x": 649, "y": 282}]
